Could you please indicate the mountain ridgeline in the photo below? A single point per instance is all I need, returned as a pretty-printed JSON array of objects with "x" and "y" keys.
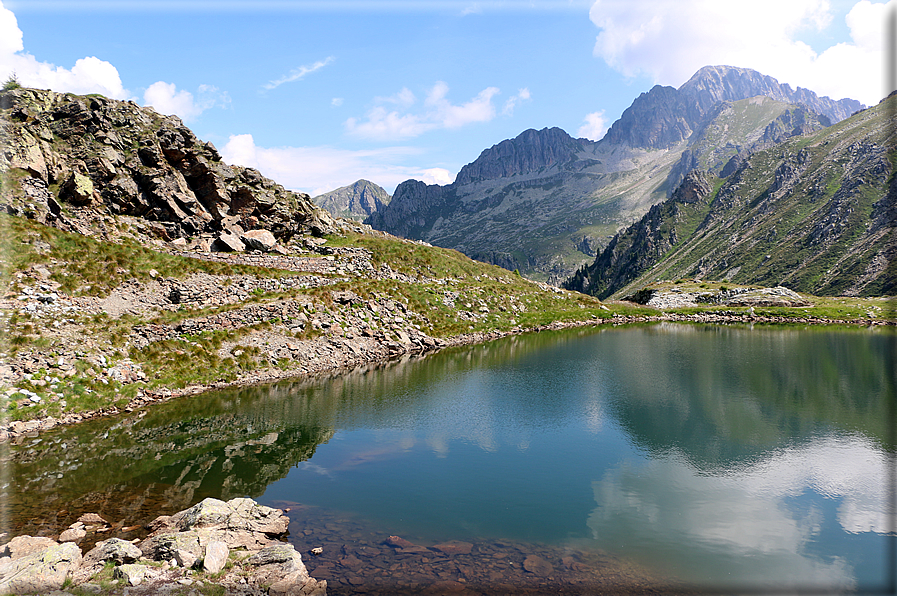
[
  {"x": 546, "y": 203},
  {"x": 815, "y": 213}
]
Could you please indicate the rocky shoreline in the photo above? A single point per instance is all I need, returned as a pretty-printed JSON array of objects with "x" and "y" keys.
[
  {"x": 329, "y": 356},
  {"x": 237, "y": 545}
]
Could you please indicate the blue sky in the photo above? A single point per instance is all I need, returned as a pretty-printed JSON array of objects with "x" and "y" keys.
[{"x": 317, "y": 94}]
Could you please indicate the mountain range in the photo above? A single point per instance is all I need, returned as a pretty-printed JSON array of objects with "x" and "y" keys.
[
  {"x": 545, "y": 203},
  {"x": 815, "y": 213}
]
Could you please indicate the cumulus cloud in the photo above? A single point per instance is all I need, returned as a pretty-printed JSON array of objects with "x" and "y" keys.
[
  {"x": 669, "y": 41},
  {"x": 298, "y": 73},
  {"x": 88, "y": 75},
  {"x": 594, "y": 128},
  {"x": 522, "y": 95},
  {"x": 317, "y": 170},
  {"x": 396, "y": 121},
  {"x": 166, "y": 99}
]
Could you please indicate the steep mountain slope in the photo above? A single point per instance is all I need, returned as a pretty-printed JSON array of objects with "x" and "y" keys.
[
  {"x": 67, "y": 153},
  {"x": 356, "y": 201},
  {"x": 816, "y": 214},
  {"x": 545, "y": 203}
]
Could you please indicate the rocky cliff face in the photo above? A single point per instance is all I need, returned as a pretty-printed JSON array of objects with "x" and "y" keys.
[
  {"x": 63, "y": 153},
  {"x": 356, "y": 201},
  {"x": 664, "y": 116},
  {"x": 814, "y": 213},
  {"x": 530, "y": 151},
  {"x": 712, "y": 84}
]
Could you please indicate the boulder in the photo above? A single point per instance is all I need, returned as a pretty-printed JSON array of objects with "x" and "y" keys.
[
  {"x": 262, "y": 240},
  {"x": 78, "y": 189},
  {"x": 238, "y": 523},
  {"x": 228, "y": 242},
  {"x": 537, "y": 565},
  {"x": 133, "y": 574},
  {"x": 115, "y": 549},
  {"x": 216, "y": 557},
  {"x": 281, "y": 567},
  {"x": 43, "y": 569}
]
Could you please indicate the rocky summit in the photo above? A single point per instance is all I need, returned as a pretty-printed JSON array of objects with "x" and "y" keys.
[
  {"x": 96, "y": 154},
  {"x": 545, "y": 203},
  {"x": 356, "y": 201}
]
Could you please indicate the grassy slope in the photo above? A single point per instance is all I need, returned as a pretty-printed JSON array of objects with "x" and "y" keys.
[{"x": 757, "y": 239}]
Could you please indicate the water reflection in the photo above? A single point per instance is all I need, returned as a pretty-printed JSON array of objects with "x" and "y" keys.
[
  {"x": 727, "y": 457},
  {"x": 769, "y": 525}
]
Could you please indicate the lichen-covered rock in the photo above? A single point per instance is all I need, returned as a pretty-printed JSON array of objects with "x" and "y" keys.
[
  {"x": 282, "y": 567},
  {"x": 115, "y": 549},
  {"x": 37, "y": 566},
  {"x": 238, "y": 523},
  {"x": 132, "y": 574}
]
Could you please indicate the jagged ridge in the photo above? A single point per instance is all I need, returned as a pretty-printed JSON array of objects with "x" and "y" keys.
[
  {"x": 65, "y": 152},
  {"x": 815, "y": 214}
]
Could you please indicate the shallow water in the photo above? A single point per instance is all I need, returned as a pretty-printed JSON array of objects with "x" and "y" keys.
[{"x": 633, "y": 458}]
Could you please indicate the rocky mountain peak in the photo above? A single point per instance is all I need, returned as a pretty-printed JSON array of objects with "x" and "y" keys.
[
  {"x": 529, "y": 151},
  {"x": 712, "y": 84},
  {"x": 355, "y": 201}
]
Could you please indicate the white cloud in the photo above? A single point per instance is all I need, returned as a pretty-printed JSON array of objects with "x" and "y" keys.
[
  {"x": 88, "y": 75},
  {"x": 669, "y": 41},
  {"x": 317, "y": 170},
  {"x": 336, "y": 102},
  {"x": 439, "y": 176},
  {"x": 594, "y": 128},
  {"x": 298, "y": 73},
  {"x": 739, "y": 526},
  {"x": 438, "y": 112},
  {"x": 522, "y": 95},
  {"x": 166, "y": 99}
]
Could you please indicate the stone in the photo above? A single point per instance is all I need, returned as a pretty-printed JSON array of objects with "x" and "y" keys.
[
  {"x": 185, "y": 559},
  {"x": 282, "y": 568},
  {"x": 537, "y": 565},
  {"x": 78, "y": 189},
  {"x": 262, "y": 240},
  {"x": 114, "y": 549},
  {"x": 73, "y": 535},
  {"x": 399, "y": 542},
  {"x": 454, "y": 547},
  {"x": 42, "y": 570},
  {"x": 92, "y": 518},
  {"x": 132, "y": 574},
  {"x": 228, "y": 242},
  {"x": 216, "y": 557}
]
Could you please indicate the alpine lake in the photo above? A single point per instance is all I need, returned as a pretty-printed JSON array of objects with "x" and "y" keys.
[{"x": 632, "y": 459}]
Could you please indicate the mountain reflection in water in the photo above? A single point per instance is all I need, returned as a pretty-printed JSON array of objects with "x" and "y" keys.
[{"x": 730, "y": 458}]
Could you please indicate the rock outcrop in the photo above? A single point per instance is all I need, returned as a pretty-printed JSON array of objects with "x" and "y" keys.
[
  {"x": 65, "y": 153},
  {"x": 205, "y": 537}
]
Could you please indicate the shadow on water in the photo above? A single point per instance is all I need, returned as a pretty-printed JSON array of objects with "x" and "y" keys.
[{"x": 706, "y": 419}]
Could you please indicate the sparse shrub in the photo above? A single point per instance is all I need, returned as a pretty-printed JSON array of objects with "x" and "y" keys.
[{"x": 11, "y": 83}]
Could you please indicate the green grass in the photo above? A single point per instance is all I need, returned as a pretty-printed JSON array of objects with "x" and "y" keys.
[{"x": 88, "y": 267}]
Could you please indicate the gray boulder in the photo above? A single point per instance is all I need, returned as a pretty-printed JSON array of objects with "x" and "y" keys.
[
  {"x": 281, "y": 567},
  {"x": 34, "y": 565}
]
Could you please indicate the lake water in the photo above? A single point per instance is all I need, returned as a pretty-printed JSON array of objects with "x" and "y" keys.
[{"x": 721, "y": 458}]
